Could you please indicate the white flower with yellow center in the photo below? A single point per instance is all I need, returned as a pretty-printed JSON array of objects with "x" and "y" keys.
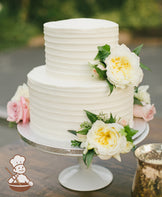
[
  {"x": 143, "y": 95},
  {"x": 123, "y": 67},
  {"x": 106, "y": 140}
]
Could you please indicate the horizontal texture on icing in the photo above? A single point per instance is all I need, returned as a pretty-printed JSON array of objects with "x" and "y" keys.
[
  {"x": 56, "y": 107},
  {"x": 70, "y": 44},
  {"x": 61, "y": 90}
]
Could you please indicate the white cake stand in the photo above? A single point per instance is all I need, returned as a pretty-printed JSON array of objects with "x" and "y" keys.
[{"x": 79, "y": 177}]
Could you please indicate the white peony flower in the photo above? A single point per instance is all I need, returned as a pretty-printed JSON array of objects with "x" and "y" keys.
[
  {"x": 106, "y": 140},
  {"x": 123, "y": 67},
  {"x": 143, "y": 95},
  {"x": 22, "y": 91}
]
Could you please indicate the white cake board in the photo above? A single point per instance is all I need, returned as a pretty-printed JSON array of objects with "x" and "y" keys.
[{"x": 79, "y": 177}]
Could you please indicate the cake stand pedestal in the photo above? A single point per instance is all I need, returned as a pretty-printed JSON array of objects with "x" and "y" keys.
[
  {"x": 78, "y": 177},
  {"x": 81, "y": 178}
]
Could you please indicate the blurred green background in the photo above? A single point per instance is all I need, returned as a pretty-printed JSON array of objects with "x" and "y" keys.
[{"x": 21, "y": 20}]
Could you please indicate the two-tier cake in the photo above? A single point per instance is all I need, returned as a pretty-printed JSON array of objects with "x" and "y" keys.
[{"x": 60, "y": 90}]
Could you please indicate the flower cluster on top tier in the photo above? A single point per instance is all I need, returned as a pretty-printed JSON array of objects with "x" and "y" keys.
[
  {"x": 18, "y": 107},
  {"x": 103, "y": 136},
  {"x": 121, "y": 68},
  {"x": 118, "y": 66}
]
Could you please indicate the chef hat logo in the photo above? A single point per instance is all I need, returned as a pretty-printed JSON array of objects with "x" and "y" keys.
[{"x": 17, "y": 160}]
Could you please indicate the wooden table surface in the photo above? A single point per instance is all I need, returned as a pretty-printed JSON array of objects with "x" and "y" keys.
[{"x": 43, "y": 169}]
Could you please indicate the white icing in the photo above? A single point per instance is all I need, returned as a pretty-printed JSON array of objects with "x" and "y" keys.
[
  {"x": 57, "y": 106},
  {"x": 80, "y": 24},
  {"x": 70, "y": 44},
  {"x": 61, "y": 90}
]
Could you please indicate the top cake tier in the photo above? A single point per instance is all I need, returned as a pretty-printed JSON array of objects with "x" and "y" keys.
[{"x": 71, "y": 44}]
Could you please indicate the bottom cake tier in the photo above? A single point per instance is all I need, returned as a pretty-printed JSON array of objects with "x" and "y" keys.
[{"x": 57, "y": 105}]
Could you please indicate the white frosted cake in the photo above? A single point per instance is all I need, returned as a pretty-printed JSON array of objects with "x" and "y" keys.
[{"x": 62, "y": 89}]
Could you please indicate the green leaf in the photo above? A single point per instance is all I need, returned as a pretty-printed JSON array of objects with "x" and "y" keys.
[
  {"x": 87, "y": 158},
  {"x": 83, "y": 131},
  {"x": 101, "y": 73},
  {"x": 111, "y": 86},
  {"x": 75, "y": 143},
  {"x": 134, "y": 148},
  {"x": 137, "y": 101},
  {"x": 130, "y": 133},
  {"x": 122, "y": 132},
  {"x": 103, "y": 63},
  {"x": 136, "y": 89},
  {"x": 111, "y": 119},
  {"x": 12, "y": 124},
  {"x": 144, "y": 67},
  {"x": 72, "y": 131},
  {"x": 92, "y": 117},
  {"x": 137, "y": 50},
  {"x": 103, "y": 52}
]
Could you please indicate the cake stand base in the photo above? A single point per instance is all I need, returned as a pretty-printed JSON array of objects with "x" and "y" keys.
[{"x": 81, "y": 178}]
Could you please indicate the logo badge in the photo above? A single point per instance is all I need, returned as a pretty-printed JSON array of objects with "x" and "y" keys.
[{"x": 18, "y": 181}]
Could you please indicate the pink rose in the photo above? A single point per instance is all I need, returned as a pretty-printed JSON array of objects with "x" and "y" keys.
[
  {"x": 25, "y": 110},
  {"x": 146, "y": 112},
  {"x": 14, "y": 111},
  {"x": 18, "y": 111}
]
